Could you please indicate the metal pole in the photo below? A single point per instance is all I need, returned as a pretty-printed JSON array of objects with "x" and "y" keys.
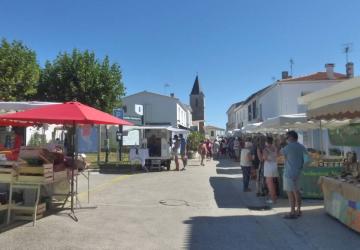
[
  {"x": 72, "y": 168},
  {"x": 107, "y": 146},
  {"x": 120, "y": 141},
  {"x": 321, "y": 140},
  {"x": 99, "y": 145}
]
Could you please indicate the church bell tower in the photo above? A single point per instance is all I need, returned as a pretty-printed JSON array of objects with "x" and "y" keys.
[{"x": 197, "y": 103}]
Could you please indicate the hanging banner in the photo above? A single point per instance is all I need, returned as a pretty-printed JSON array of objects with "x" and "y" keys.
[{"x": 87, "y": 139}]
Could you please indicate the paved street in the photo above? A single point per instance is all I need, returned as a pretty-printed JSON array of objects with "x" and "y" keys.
[{"x": 200, "y": 208}]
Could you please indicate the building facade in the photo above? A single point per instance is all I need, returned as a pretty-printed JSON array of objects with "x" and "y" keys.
[
  {"x": 280, "y": 97},
  {"x": 231, "y": 116},
  {"x": 158, "y": 109},
  {"x": 213, "y": 132}
]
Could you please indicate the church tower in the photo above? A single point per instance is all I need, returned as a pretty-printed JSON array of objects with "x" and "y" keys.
[{"x": 197, "y": 103}]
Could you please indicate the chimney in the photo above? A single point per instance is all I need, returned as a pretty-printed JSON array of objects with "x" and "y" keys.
[
  {"x": 284, "y": 75},
  {"x": 350, "y": 70},
  {"x": 330, "y": 71},
  {"x": 172, "y": 95}
]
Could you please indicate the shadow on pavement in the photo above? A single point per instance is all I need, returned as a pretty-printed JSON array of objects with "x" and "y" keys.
[
  {"x": 227, "y": 192},
  {"x": 231, "y": 171},
  {"x": 314, "y": 230}
]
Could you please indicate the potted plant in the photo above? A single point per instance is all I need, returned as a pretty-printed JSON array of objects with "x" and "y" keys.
[{"x": 193, "y": 142}]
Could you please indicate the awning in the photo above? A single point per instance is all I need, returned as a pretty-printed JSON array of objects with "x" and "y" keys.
[
  {"x": 348, "y": 109},
  {"x": 251, "y": 128},
  {"x": 6, "y": 107},
  {"x": 341, "y": 101},
  {"x": 169, "y": 128},
  {"x": 297, "y": 122}
]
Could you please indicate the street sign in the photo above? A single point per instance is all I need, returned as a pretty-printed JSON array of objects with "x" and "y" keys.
[{"x": 119, "y": 113}]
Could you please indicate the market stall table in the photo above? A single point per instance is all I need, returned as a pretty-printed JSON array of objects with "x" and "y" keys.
[
  {"x": 342, "y": 201},
  {"x": 68, "y": 113}
]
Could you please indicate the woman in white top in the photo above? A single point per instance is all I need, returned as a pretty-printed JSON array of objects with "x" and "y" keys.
[
  {"x": 246, "y": 163},
  {"x": 270, "y": 153}
]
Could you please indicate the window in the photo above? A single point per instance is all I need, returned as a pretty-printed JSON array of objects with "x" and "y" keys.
[
  {"x": 212, "y": 133},
  {"x": 125, "y": 109},
  {"x": 254, "y": 114},
  {"x": 249, "y": 113},
  {"x": 196, "y": 102}
]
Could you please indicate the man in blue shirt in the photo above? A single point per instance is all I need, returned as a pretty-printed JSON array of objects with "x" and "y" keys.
[
  {"x": 183, "y": 151},
  {"x": 294, "y": 160}
]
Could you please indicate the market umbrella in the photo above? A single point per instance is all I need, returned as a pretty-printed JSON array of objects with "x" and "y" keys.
[
  {"x": 68, "y": 113},
  {"x": 65, "y": 113}
]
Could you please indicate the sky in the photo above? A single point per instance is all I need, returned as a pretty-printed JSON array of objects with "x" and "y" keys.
[{"x": 235, "y": 46}]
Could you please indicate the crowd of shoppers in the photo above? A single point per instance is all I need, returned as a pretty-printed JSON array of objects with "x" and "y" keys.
[{"x": 258, "y": 160}]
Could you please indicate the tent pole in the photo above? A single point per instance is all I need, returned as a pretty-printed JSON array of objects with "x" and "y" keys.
[
  {"x": 321, "y": 140},
  {"x": 72, "y": 212}
]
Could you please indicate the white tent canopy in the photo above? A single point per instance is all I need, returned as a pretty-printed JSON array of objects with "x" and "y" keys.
[
  {"x": 251, "y": 128},
  {"x": 297, "y": 122},
  {"x": 169, "y": 128},
  {"x": 341, "y": 101},
  {"x": 20, "y": 106}
]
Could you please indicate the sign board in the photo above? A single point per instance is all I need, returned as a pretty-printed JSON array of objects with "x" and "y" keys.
[
  {"x": 87, "y": 139},
  {"x": 139, "y": 109},
  {"x": 134, "y": 119},
  {"x": 119, "y": 113}
]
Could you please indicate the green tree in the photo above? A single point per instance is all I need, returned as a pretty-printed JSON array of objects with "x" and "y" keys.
[
  {"x": 81, "y": 76},
  {"x": 194, "y": 140},
  {"x": 19, "y": 71}
]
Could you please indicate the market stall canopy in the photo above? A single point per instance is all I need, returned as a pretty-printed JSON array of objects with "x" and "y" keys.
[
  {"x": 6, "y": 107},
  {"x": 251, "y": 128},
  {"x": 64, "y": 113},
  {"x": 297, "y": 122},
  {"x": 341, "y": 101},
  {"x": 169, "y": 128}
]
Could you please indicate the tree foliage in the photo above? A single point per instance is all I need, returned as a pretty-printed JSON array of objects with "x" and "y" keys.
[
  {"x": 81, "y": 76},
  {"x": 19, "y": 71},
  {"x": 194, "y": 140}
]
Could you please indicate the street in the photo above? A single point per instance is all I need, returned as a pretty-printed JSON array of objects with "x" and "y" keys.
[{"x": 200, "y": 208}]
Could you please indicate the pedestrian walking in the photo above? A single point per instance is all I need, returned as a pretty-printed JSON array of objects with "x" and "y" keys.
[
  {"x": 202, "y": 151},
  {"x": 237, "y": 148},
  {"x": 246, "y": 164},
  {"x": 216, "y": 149},
  {"x": 183, "y": 151},
  {"x": 294, "y": 154},
  {"x": 261, "y": 188},
  {"x": 176, "y": 152},
  {"x": 270, "y": 153}
]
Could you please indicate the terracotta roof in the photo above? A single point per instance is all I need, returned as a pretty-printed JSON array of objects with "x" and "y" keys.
[{"x": 318, "y": 76}]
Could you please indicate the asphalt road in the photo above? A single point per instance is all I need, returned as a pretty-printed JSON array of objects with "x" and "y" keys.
[{"x": 200, "y": 208}]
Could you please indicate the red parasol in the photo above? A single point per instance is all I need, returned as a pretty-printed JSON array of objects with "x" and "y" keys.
[
  {"x": 65, "y": 113},
  {"x": 70, "y": 113}
]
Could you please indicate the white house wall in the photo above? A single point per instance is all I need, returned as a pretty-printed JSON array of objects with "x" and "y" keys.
[
  {"x": 290, "y": 93},
  {"x": 270, "y": 103},
  {"x": 157, "y": 109}
]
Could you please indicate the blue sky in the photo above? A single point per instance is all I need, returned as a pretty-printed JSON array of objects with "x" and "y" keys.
[{"x": 236, "y": 46}]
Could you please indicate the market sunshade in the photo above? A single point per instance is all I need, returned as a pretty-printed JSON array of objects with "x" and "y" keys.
[
  {"x": 340, "y": 101},
  {"x": 347, "y": 109},
  {"x": 65, "y": 113}
]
